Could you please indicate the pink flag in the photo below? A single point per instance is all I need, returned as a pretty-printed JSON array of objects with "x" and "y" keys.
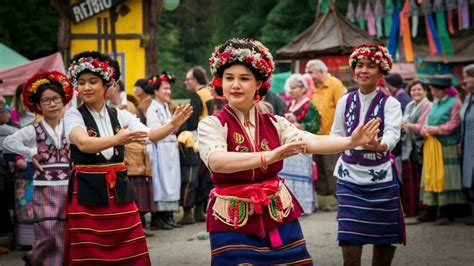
[
  {"x": 11, "y": 77},
  {"x": 369, "y": 16}
]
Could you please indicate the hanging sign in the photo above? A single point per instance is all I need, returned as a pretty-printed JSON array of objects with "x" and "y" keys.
[{"x": 88, "y": 8}]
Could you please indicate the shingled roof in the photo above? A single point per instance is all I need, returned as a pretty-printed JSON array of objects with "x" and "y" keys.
[{"x": 330, "y": 34}]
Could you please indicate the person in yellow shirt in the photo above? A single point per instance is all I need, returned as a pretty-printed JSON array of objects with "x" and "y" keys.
[{"x": 326, "y": 92}]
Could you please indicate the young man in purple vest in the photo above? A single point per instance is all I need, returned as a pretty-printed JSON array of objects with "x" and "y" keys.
[{"x": 369, "y": 210}]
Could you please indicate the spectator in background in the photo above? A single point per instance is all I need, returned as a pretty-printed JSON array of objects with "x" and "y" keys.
[
  {"x": 164, "y": 156},
  {"x": 20, "y": 116},
  {"x": 412, "y": 145},
  {"x": 394, "y": 83},
  {"x": 144, "y": 98},
  {"x": 6, "y": 226},
  {"x": 277, "y": 103},
  {"x": 467, "y": 116},
  {"x": 441, "y": 177},
  {"x": 297, "y": 170},
  {"x": 327, "y": 91},
  {"x": 196, "y": 180}
]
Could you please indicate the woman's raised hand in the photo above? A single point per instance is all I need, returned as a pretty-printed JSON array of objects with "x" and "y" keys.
[
  {"x": 124, "y": 136},
  {"x": 181, "y": 114},
  {"x": 285, "y": 151},
  {"x": 365, "y": 134}
]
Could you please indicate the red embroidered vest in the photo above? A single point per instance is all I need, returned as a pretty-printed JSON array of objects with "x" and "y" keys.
[{"x": 238, "y": 139}]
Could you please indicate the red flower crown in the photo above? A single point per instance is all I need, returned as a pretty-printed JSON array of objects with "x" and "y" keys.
[
  {"x": 41, "y": 78},
  {"x": 258, "y": 57},
  {"x": 375, "y": 53},
  {"x": 161, "y": 78}
]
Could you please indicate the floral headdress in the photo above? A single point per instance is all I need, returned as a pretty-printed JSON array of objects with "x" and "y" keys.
[
  {"x": 375, "y": 53},
  {"x": 104, "y": 69},
  {"x": 45, "y": 77},
  {"x": 258, "y": 57},
  {"x": 164, "y": 76}
]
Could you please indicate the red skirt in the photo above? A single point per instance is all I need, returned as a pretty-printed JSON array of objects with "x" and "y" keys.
[
  {"x": 411, "y": 187},
  {"x": 99, "y": 235}
]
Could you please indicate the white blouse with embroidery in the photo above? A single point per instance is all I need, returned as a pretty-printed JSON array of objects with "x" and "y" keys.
[
  {"x": 73, "y": 119},
  {"x": 212, "y": 136}
]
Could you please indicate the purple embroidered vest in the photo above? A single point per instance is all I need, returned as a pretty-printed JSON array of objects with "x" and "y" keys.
[
  {"x": 54, "y": 161},
  {"x": 351, "y": 118},
  {"x": 266, "y": 138}
]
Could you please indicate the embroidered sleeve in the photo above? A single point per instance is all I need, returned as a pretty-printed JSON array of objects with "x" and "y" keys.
[
  {"x": 133, "y": 122},
  {"x": 73, "y": 119},
  {"x": 338, "y": 128},
  {"x": 22, "y": 142},
  {"x": 212, "y": 137},
  {"x": 288, "y": 132},
  {"x": 392, "y": 123},
  {"x": 454, "y": 121}
]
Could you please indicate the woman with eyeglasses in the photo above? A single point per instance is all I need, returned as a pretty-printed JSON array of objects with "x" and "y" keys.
[{"x": 44, "y": 143}]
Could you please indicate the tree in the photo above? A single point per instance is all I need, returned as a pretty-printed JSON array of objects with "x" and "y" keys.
[{"x": 29, "y": 27}]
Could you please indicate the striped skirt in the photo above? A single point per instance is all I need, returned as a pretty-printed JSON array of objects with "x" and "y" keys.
[
  {"x": 110, "y": 234},
  {"x": 143, "y": 187},
  {"x": 49, "y": 206},
  {"x": 297, "y": 172},
  {"x": 233, "y": 248},
  {"x": 452, "y": 193},
  {"x": 370, "y": 214},
  {"x": 411, "y": 187}
]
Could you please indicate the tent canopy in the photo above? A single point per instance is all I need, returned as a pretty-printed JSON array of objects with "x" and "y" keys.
[
  {"x": 330, "y": 34},
  {"x": 12, "y": 77},
  {"x": 10, "y": 58}
]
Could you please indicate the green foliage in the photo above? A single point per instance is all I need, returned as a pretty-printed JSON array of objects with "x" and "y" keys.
[
  {"x": 183, "y": 40},
  {"x": 286, "y": 20},
  {"x": 29, "y": 27}
]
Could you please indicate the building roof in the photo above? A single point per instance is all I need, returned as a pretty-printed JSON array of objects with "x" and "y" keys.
[{"x": 330, "y": 34}]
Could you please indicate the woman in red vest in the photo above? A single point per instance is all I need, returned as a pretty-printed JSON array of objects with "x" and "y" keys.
[{"x": 253, "y": 217}]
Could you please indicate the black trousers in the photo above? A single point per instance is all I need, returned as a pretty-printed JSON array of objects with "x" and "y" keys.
[{"x": 196, "y": 184}]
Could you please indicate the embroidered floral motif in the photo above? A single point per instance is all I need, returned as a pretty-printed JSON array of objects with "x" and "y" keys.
[
  {"x": 264, "y": 145},
  {"x": 343, "y": 172},
  {"x": 238, "y": 138},
  {"x": 377, "y": 175},
  {"x": 91, "y": 132}
]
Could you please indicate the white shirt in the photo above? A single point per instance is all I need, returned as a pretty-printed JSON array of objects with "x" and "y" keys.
[
  {"x": 391, "y": 136},
  {"x": 213, "y": 136},
  {"x": 23, "y": 141},
  {"x": 73, "y": 119},
  {"x": 157, "y": 115}
]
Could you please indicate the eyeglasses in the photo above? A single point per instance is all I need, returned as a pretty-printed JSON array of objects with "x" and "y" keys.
[{"x": 48, "y": 100}]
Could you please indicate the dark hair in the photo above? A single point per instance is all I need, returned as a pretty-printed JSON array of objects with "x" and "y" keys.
[
  {"x": 132, "y": 99},
  {"x": 199, "y": 73},
  {"x": 113, "y": 63},
  {"x": 121, "y": 85},
  {"x": 423, "y": 85},
  {"x": 154, "y": 82},
  {"x": 141, "y": 83},
  {"x": 54, "y": 86},
  {"x": 17, "y": 100}
]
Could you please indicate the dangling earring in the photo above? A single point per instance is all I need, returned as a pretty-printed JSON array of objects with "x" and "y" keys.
[{"x": 258, "y": 98}]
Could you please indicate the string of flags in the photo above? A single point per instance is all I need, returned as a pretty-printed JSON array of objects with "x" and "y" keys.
[{"x": 399, "y": 20}]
